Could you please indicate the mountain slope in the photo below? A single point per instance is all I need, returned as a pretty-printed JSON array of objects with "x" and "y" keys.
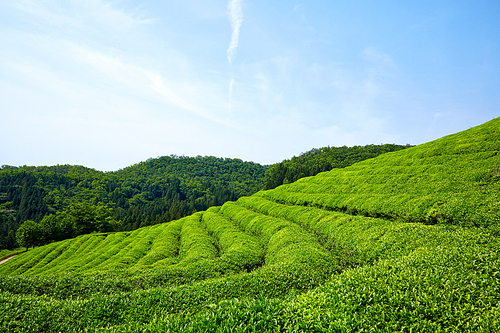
[
  {"x": 454, "y": 180},
  {"x": 341, "y": 251}
]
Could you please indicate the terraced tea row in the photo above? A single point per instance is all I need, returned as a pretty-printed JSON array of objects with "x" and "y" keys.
[
  {"x": 447, "y": 284},
  {"x": 453, "y": 180},
  {"x": 229, "y": 242},
  {"x": 286, "y": 248},
  {"x": 338, "y": 252},
  {"x": 220, "y": 241}
]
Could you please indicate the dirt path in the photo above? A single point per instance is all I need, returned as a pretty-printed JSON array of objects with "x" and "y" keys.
[{"x": 7, "y": 258}]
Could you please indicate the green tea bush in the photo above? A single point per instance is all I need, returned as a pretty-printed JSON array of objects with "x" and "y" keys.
[
  {"x": 165, "y": 246},
  {"x": 426, "y": 183},
  {"x": 21, "y": 264},
  {"x": 447, "y": 283},
  {"x": 7, "y": 253},
  {"x": 405, "y": 242},
  {"x": 196, "y": 243},
  {"x": 107, "y": 248},
  {"x": 236, "y": 247},
  {"x": 72, "y": 247}
]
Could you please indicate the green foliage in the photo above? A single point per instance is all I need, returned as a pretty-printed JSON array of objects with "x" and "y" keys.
[
  {"x": 405, "y": 242},
  {"x": 323, "y": 159},
  {"x": 451, "y": 180},
  {"x": 8, "y": 242},
  {"x": 9, "y": 253},
  {"x": 29, "y": 234},
  {"x": 156, "y": 191},
  {"x": 77, "y": 219},
  {"x": 427, "y": 278}
]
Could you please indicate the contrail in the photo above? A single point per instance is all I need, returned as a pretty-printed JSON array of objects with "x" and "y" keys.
[
  {"x": 236, "y": 18},
  {"x": 231, "y": 86}
]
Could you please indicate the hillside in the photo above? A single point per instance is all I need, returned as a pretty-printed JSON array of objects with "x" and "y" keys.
[
  {"x": 453, "y": 180},
  {"x": 154, "y": 191},
  {"x": 323, "y": 159},
  {"x": 407, "y": 241}
]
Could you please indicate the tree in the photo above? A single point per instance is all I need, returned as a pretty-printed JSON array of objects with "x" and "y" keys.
[
  {"x": 9, "y": 241},
  {"x": 29, "y": 234},
  {"x": 52, "y": 230}
]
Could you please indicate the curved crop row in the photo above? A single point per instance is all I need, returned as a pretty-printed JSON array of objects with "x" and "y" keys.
[
  {"x": 433, "y": 277},
  {"x": 420, "y": 184},
  {"x": 336, "y": 252},
  {"x": 212, "y": 244},
  {"x": 196, "y": 243},
  {"x": 453, "y": 288},
  {"x": 236, "y": 247},
  {"x": 71, "y": 251},
  {"x": 165, "y": 246}
]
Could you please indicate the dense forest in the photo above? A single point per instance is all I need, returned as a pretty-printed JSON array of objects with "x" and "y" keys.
[{"x": 63, "y": 201}]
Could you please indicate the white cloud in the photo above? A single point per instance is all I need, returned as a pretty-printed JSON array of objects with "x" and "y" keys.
[
  {"x": 144, "y": 82},
  {"x": 379, "y": 58},
  {"x": 81, "y": 11},
  {"x": 48, "y": 15},
  {"x": 231, "y": 84},
  {"x": 236, "y": 19},
  {"x": 118, "y": 19}
]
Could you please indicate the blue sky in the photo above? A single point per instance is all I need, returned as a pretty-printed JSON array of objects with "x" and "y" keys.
[{"x": 107, "y": 84}]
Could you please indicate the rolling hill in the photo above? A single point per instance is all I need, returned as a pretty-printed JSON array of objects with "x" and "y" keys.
[
  {"x": 404, "y": 242},
  {"x": 155, "y": 191}
]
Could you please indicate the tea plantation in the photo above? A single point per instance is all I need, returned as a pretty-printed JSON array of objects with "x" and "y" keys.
[{"x": 405, "y": 242}]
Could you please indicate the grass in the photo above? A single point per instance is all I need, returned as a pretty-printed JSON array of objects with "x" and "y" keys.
[
  {"x": 8, "y": 253},
  {"x": 405, "y": 242}
]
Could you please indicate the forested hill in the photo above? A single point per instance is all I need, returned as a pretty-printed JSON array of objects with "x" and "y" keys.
[
  {"x": 235, "y": 175},
  {"x": 155, "y": 191},
  {"x": 65, "y": 201}
]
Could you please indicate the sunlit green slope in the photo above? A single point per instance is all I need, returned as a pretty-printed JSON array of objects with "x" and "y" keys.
[
  {"x": 343, "y": 251},
  {"x": 455, "y": 180}
]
